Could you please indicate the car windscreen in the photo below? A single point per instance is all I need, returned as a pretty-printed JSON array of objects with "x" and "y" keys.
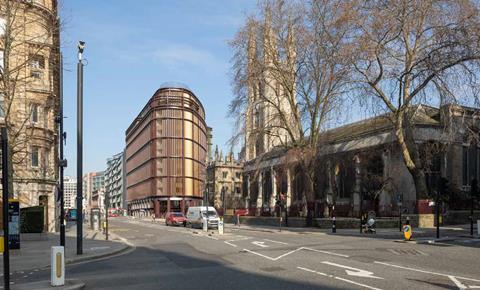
[
  {"x": 210, "y": 213},
  {"x": 177, "y": 214}
]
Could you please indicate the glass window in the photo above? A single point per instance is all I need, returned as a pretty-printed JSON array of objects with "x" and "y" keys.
[
  {"x": 37, "y": 62},
  {"x": 36, "y": 74},
  {"x": 34, "y": 156},
  {"x": 225, "y": 174},
  {"x": 46, "y": 159},
  {"x": 34, "y": 113},
  {"x": 3, "y": 23},
  {"x": 2, "y": 105},
  {"x": 1, "y": 59}
]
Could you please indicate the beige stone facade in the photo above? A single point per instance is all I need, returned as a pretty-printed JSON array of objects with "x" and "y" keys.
[
  {"x": 30, "y": 46},
  {"x": 267, "y": 105},
  {"x": 225, "y": 182}
]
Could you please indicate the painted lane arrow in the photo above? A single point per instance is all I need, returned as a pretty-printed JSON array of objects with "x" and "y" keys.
[
  {"x": 354, "y": 271},
  {"x": 260, "y": 244}
]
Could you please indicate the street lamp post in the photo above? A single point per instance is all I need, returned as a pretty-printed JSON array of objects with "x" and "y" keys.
[
  {"x": 81, "y": 47},
  {"x": 223, "y": 200},
  {"x": 473, "y": 192},
  {"x": 107, "y": 204},
  {"x": 62, "y": 162},
  {"x": 5, "y": 196}
]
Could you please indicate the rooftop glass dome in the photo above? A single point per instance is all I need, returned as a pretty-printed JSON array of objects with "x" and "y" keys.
[{"x": 174, "y": 85}]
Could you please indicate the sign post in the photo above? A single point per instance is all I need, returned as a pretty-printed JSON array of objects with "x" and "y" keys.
[
  {"x": 13, "y": 224},
  {"x": 399, "y": 203}
]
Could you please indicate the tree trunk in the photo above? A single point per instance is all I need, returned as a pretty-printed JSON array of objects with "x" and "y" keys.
[
  {"x": 310, "y": 199},
  {"x": 410, "y": 153}
]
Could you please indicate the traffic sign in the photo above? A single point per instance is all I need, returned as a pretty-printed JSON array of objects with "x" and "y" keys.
[{"x": 407, "y": 232}]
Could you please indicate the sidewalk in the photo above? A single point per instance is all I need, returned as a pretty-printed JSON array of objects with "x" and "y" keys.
[
  {"x": 34, "y": 253},
  {"x": 420, "y": 235}
]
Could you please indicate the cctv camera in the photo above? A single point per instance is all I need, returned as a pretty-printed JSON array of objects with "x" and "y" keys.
[{"x": 81, "y": 46}]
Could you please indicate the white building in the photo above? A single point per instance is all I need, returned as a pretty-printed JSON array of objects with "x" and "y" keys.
[
  {"x": 70, "y": 192},
  {"x": 115, "y": 181}
]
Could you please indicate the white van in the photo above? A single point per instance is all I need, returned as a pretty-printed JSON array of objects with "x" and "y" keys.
[{"x": 196, "y": 215}]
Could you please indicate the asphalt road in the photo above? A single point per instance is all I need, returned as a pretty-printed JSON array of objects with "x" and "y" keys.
[{"x": 181, "y": 258}]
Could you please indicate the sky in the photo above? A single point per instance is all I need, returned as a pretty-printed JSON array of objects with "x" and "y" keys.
[{"x": 132, "y": 47}]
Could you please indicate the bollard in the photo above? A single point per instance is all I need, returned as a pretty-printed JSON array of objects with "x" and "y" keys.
[
  {"x": 334, "y": 226},
  {"x": 220, "y": 226},
  {"x": 238, "y": 220},
  {"x": 205, "y": 225},
  {"x": 57, "y": 263}
]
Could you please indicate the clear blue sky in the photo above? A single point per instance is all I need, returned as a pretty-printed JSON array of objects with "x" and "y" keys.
[{"x": 134, "y": 46}]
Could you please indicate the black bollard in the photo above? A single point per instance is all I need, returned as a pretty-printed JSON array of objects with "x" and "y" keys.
[{"x": 334, "y": 226}]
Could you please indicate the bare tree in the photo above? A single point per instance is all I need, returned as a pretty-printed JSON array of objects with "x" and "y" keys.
[
  {"x": 289, "y": 76},
  {"x": 408, "y": 51}
]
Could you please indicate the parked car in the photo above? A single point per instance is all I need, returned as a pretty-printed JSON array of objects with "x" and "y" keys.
[
  {"x": 197, "y": 214},
  {"x": 175, "y": 219}
]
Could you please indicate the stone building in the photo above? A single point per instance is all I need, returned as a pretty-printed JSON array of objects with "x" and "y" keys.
[
  {"x": 115, "y": 181},
  {"x": 92, "y": 182},
  {"x": 70, "y": 192},
  {"x": 29, "y": 58},
  {"x": 360, "y": 166},
  {"x": 224, "y": 182}
]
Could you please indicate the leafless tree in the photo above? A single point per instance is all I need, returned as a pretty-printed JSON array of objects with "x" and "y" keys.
[
  {"x": 411, "y": 51},
  {"x": 289, "y": 65}
]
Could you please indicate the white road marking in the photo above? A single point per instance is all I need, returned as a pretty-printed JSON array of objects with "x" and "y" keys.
[
  {"x": 338, "y": 278},
  {"x": 325, "y": 252},
  {"x": 293, "y": 251},
  {"x": 354, "y": 271},
  {"x": 457, "y": 283},
  {"x": 229, "y": 242},
  {"x": 277, "y": 242},
  {"x": 260, "y": 244},
  {"x": 258, "y": 254},
  {"x": 427, "y": 272}
]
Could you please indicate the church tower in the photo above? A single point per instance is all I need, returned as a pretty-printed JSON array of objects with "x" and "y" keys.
[{"x": 268, "y": 106}]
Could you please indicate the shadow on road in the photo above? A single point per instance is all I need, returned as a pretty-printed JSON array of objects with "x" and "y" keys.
[{"x": 180, "y": 266}]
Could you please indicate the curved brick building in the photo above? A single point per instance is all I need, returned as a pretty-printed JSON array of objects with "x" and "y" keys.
[{"x": 165, "y": 153}]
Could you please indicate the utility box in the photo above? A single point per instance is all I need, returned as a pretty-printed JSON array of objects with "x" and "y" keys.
[
  {"x": 95, "y": 219},
  {"x": 57, "y": 263}
]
